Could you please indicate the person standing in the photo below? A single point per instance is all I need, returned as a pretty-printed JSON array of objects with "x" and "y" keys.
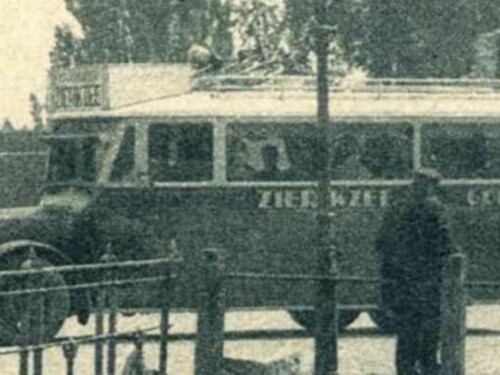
[{"x": 414, "y": 242}]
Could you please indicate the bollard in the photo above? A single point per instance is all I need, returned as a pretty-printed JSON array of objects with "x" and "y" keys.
[
  {"x": 109, "y": 257},
  {"x": 70, "y": 349},
  {"x": 210, "y": 325},
  {"x": 453, "y": 323},
  {"x": 326, "y": 324}
]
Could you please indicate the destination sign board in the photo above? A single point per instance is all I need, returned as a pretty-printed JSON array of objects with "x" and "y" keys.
[
  {"x": 106, "y": 87},
  {"x": 85, "y": 96}
]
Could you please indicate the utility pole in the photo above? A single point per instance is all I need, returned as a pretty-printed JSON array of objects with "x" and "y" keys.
[{"x": 326, "y": 331}]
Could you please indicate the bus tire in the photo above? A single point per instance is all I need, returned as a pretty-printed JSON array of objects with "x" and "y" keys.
[
  {"x": 305, "y": 318},
  {"x": 384, "y": 320},
  {"x": 20, "y": 322}
]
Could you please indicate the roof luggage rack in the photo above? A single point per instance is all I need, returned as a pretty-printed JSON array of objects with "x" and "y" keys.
[{"x": 376, "y": 85}]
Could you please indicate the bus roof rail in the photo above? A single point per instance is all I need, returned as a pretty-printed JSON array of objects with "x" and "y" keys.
[{"x": 375, "y": 85}]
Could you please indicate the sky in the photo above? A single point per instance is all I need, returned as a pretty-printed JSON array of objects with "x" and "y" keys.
[{"x": 26, "y": 38}]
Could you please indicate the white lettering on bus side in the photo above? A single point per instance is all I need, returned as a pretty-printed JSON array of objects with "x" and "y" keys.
[
  {"x": 337, "y": 199},
  {"x": 483, "y": 198},
  {"x": 308, "y": 199},
  {"x": 292, "y": 199},
  {"x": 265, "y": 199},
  {"x": 355, "y": 200}
]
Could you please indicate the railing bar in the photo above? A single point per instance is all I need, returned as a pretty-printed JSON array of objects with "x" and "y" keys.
[
  {"x": 81, "y": 340},
  {"x": 483, "y": 284},
  {"x": 119, "y": 282},
  {"x": 87, "y": 267},
  {"x": 342, "y": 279}
]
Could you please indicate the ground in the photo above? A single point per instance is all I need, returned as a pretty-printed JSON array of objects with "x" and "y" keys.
[{"x": 362, "y": 350}]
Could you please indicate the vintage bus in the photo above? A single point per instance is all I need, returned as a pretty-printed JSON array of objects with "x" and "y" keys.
[{"x": 145, "y": 155}]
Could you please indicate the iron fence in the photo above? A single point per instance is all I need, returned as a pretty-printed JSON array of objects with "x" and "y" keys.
[{"x": 34, "y": 340}]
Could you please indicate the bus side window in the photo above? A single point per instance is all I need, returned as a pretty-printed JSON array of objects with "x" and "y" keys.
[
  {"x": 181, "y": 152},
  {"x": 368, "y": 152},
  {"x": 271, "y": 152},
  {"x": 461, "y": 151}
]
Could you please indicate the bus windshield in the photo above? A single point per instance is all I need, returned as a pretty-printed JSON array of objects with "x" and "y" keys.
[
  {"x": 287, "y": 152},
  {"x": 73, "y": 158}
]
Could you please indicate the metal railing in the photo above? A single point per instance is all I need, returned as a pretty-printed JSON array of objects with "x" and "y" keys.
[
  {"x": 210, "y": 333},
  {"x": 32, "y": 326}
]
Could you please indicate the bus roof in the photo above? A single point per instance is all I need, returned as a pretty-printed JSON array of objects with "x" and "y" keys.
[
  {"x": 172, "y": 91},
  {"x": 301, "y": 106}
]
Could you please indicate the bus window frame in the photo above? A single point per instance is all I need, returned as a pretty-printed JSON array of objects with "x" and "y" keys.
[
  {"x": 468, "y": 123},
  {"x": 415, "y": 153},
  {"x": 186, "y": 122}
]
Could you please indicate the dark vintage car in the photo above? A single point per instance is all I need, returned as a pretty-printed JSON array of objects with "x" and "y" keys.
[{"x": 145, "y": 156}]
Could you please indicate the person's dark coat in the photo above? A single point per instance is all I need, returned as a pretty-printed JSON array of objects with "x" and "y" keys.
[{"x": 414, "y": 243}]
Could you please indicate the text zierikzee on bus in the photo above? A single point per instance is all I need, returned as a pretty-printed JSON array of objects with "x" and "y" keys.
[{"x": 307, "y": 198}]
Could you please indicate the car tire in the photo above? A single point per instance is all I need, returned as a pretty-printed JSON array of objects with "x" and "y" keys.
[{"x": 305, "y": 318}]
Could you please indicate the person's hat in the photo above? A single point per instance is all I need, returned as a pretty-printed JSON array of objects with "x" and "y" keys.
[{"x": 427, "y": 175}]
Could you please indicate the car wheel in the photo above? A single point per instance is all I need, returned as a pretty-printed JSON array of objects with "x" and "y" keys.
[
  {"x": 305, "y": 317},
  {"x": 30, "y": 319}
]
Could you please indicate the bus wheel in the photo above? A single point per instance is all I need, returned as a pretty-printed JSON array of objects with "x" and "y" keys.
[
  {"x": 384, "y": 320},
  {"x": 305, "y": 317},
  {"x": 31, "y": 318}
]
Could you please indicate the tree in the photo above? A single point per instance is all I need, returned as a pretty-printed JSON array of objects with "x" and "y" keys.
[
  {"x": 67, "y": 50},
  {"x": 348, "y": 23},
  {"x": 426, "y": 38},
  {"x": 36, "y": 113},
  {"x": 7, "y": 126},
  {"x": 117, "y": 31}
]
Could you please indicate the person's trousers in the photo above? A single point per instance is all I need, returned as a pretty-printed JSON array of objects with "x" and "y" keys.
[{"x": 417, "y": 344}]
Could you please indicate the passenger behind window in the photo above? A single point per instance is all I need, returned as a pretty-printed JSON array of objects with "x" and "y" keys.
[
  {"x": 346, "y": 159},
  {"x": 239, "y": 167},
  {"x": 271, "y": 171}
]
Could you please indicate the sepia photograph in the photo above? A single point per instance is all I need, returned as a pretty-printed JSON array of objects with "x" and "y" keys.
[{"x": 249, "y": 187}]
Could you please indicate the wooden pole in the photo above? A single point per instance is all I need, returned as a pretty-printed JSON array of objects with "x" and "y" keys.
[
  {"x": 326, "y": 362},
  {"x": 209, "y": 349},
  {"x": 453, "y": 325}
]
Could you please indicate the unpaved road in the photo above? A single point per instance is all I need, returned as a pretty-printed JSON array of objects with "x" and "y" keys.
[{"x": 365, "y": 354}]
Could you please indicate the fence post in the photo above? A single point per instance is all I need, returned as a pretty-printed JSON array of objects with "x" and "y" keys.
[
  {"x": 139, "y": 365},
  {"x": 210, "y": 326},
  {"x": 167, "y": 288},
  {"x": 38, "y": 352},
  {"x": 453, "y": 324},
  {"x": 70, "y": 349},
  {"x": 26, "y": 319},
  {"x": 109, "y": 257},
  {"x": 326, "y": 324},
  {"x": 99, "y": 329}
]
